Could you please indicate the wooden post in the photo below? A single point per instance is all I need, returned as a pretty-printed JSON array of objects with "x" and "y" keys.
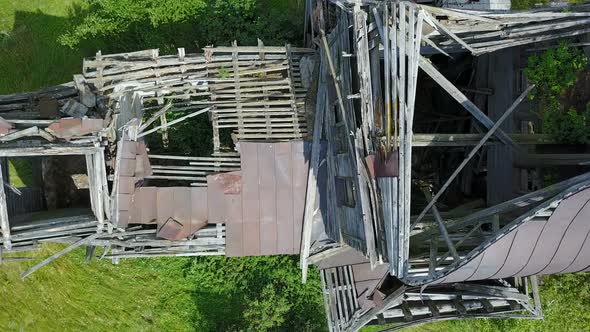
[
  {"x": 4, "y": 225},
  {"x": 57, "y": 255},
  {"x": 462, "y": 99},
  {"x": 473, "y": 152}
]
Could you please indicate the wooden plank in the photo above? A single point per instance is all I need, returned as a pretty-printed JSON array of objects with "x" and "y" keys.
[
  {"x": 4, "y": 225},
  {"x": 154, "y": 117},
  {"x": 443, "y": 30},
  {"x": 461, "y": 98},
  {"x": 441, "y": 226},
  {"x": 312, "y": 190},
  {"x": 175, "y": 121},
  {"x": 57, "y": 255},
  {"x": 450, "y": 140}
]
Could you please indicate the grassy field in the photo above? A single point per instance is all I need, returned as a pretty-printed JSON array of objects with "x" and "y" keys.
[{"x": 208, "y": 294}]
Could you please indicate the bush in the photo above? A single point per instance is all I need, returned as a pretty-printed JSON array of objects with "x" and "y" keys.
[
  {"x": 138, "y": 24},
  {"x": 554, "y": 71},
  {"x": 568, "y": 127}
]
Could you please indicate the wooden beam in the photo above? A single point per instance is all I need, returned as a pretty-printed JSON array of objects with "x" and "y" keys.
[
  {"x": 474, "y": 151},
  {"x": 155, "y": 117},
  {"x": 439, "y": 78},
  {"x": 535, "y": 286},
  {"x": 57, "y": 255},
  {"x": 441, "y": 226},
  {"x": 443, "y": 30},
  {"x": 175, "y": 121},
  {"x": 312, "y": 190},
  {"x": 451, "y": 140},
  {"x": 4, "y": 225}
]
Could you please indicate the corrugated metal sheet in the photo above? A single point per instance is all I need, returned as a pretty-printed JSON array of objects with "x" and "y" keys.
[
  {"x": 557, "y": 244},
  {"x": 266, "y": 217}
]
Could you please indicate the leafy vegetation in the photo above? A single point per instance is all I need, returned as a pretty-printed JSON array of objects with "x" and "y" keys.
[
  {"x": 192, "y": 24},
  {"x": 528, "y": 4},
  {"x": 553, "y": 72}
]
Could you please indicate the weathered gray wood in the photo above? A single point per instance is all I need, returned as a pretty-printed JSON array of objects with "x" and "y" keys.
[
  {"x": 461, "y": 98},
  {"x": 441, "y": 226},
  {"x": 450, "y": 140},
  {"x": 155, "y": 117},
  {"x": 175, "y": 121},
  {"x": 57, "y": 255},
  {"x": 442, "y": 29},
  {"x": 46, "y": 150},
  {"x": 474, "y": 151},
  {"x": 312, "y": 190},
  {"x": 4, "y": 225}
]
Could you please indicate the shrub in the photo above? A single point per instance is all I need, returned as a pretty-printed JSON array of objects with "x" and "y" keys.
[
  {"x": 138, "y": 24},
  {"x": 554, "y": 71},
  {"x": 568, "y": 127}
]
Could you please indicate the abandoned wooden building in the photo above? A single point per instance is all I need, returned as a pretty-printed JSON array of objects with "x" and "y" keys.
[{"x": 397, "y": 152}]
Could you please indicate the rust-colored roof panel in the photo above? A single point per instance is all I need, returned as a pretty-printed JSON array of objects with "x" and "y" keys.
[
  {"x": 171, "y": 230},
  {"x": 199, "y": 208},
  {"x": 126, "y": 184},
  {"x": 234, "y": 233},
  {"x": 215, "y": 200},
  {"x": 182, "y": 209},
  {"x": 267, "y": 184},
  {"x": 251, "y": 236},
  {"x": 124, "y": 218},
  {"x": 268, "y": 239},
  {"x": 127, "y": 167},
  {"x": 250, "y": 183},
  {"x": 145, "y": 204},
  {"x": 558, "y": 244},
  {"x": 363, "y": 271},
  {"x": 125, "y": 202},
  {"x": 521, "y": 248},
  {"x": 300, "y": 170},
  {"x": 165, "y": 204},
  {"x": 273, "y": 184},
  {"x": 574, "y": 237},
  {"x": 494, "y": 259},
  {"x": 284, "y": 199},
  {"x": 380, "y": 167},
  {"x": 128, "y": 149},
  {"x": 550, "y": 239},
  {"x": 349, "y": 256}
]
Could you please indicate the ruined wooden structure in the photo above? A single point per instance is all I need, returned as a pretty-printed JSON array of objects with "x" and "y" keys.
[
  {"x": 390, "y": 153},
  {"x": 420, "y": 195}
]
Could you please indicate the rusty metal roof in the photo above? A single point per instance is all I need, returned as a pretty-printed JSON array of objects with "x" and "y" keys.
[
  {"x": 265, "y": 217},
  {"x": 540, "y": 245}
]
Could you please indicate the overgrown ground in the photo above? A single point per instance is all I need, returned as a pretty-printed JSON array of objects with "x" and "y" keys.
[{"x": 177, "y": 294}]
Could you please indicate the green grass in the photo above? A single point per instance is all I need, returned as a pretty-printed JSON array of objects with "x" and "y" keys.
[
  {"x": 163, "y": 294},
  {"x": 67, "y": 294},
  {"x": 528, "y": 4},
  {"x": 30, "y": 56},
  {"x": 20, "y": 172}
]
